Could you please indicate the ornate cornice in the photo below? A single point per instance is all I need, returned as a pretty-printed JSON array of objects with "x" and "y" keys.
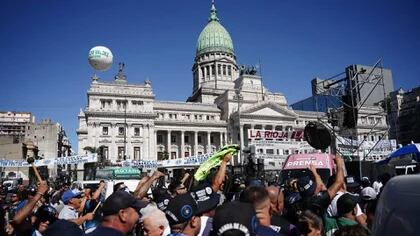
[
  {"x": 191, "y": 124},
  {"x": 120, "y": 114}
]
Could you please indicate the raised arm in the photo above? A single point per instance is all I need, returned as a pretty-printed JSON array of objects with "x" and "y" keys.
[
  {"x": 145, "y": 184},
  {"x": 98, "y": 191},
  {"x": 221, "y": 173},
  {"x": 339, "y": 180},
  {"x": 320, "y": 186},
  {"x": 29, "y": 206}
]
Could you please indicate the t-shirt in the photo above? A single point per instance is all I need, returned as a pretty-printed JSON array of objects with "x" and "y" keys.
[
  {"x": 68, "y": 213},
  {"x": 332, "y": 208},
  {"x": 267, "y": 231},
  {"x": 105, "y": 231},
  {"x": 281, "y": 225},
  {"x": 206, "y": 225},
  {"x": 332, "y": 224}
]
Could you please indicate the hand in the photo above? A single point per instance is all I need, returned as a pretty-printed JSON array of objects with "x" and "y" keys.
[
  {"x": 339, "y": 160},
  {"x": 89, "y": 216},
  {"x": 101, "y": 184},
  {"x": 312, "y": 168},
  {"x": 43, "y": 187},
  {"x": 9, "y": 229},
  {"x": 157, "y": 174},
  {"x": 227, "y": 157}
]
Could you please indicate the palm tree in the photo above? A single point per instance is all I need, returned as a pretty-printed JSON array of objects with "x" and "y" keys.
[{"x": 90, "y": 168}]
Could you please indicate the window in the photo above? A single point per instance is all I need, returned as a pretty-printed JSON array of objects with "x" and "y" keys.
[
  {"x": 120, "y": 130},
  {"x": 186, "y": 154},
  {"x": 136, "y": 131},
  {"x": 229, "y": 70},
  {"x": 159, "y": 138},
  {"x": 199, "y": 139},
  {"x": 105, "y": 130},
  {"x": 211, "y": 139},
  {"x": 105, "y": 153},
  {"x": 188, "y": 117},
  {"x": 269, "y": 151},
  {"x": 186, "y": 139},
  {"x": 173, "y": 155},
  {"x": 208, "y": 117},
  {"x": 208, "y": 70},
  {"x": 136, "y": 153},
  {"x": 219, "y": 71},
  {"x": 103, "y": 103},
  {"x": 213, "y": 69},
  {"x": 173, "y": 138},
  {"x": 120, "y": 153},
  {"x": 196, "y": 117},
  {"x": 224, "y": 69}
]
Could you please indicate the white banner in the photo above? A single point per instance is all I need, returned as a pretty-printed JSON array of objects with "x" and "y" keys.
[
  {"x": 181, "y": 162},
  {"x": 274, "y": 134},
  {"x": 56, "y": 161}
]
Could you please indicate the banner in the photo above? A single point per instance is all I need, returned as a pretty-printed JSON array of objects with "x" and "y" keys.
[
  {"x": 181, "y": 162},
  {"x": 274, "y": 134},
  {"x": 88, "y": 158}
]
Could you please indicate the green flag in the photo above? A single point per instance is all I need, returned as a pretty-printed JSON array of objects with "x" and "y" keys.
[{"x": 214, "y": 161}]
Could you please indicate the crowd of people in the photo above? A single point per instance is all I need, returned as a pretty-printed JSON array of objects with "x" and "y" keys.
[{"x": 301, "y": 206}]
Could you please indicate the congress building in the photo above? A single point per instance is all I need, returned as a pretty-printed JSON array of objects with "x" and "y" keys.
[{"x": 227, "y": 104}]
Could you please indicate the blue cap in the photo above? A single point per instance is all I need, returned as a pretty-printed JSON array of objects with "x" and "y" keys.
[{"x": 69, "y": 194}]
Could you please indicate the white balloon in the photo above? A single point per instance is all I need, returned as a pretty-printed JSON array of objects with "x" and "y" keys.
[{"x": 100, "y": 58}]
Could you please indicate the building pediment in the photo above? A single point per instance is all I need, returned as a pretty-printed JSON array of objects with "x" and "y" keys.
[{"x": 270, "y": 109}]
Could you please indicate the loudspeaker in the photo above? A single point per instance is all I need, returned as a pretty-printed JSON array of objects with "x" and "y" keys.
[{"x": 317, "y": 135}]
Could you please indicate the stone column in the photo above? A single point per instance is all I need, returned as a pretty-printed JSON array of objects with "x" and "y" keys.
[
  {"x": 208, "y": 142},
  {"x": 195, "y": 143},
  {"x": 221, "y": 139},
  {"x": 242, "y": 136},
  {"x": 168, "y": 143},
  {"x": 182, "y": 144}
]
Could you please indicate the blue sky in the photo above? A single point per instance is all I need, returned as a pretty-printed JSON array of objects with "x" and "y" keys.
[{"x": 44, "y": 45}]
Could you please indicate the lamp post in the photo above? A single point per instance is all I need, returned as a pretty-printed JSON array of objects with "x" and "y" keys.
[
  {"x": 238, "y": 97},
  {"x": 125, "y": 129}
]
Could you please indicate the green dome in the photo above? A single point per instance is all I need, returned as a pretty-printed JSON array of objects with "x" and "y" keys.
[{"x": 214, "y": 36}]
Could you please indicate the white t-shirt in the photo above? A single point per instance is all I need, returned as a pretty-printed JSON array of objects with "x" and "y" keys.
[
  {"x": 332, "y": 208},
  {"x": 68, "y": 213}
]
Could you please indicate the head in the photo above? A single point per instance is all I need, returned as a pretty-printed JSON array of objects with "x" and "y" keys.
[
  {"x": 177, "y": 188},
  {"x": 346, "y": 206},
  {"x": 206, "y": 199},
  {"x": 229, "y": 221},
  {"x": 260, "y": 198},
  {"x": 154, "y": 222},
  {"x": 120, "y": 186},
  {"x": 72, "y": 198},
  {"x": 14, "y": 197},
  {"x": 306, "y": 186},
  {"x": 352, "y": 230},
  {"x": 276, "y": 196},
  {"x": 121, "y": 211},
  {"x": 309, "y": 224},
  {"x": 45, "y": 216},
  {"x": 182, "y": 215}
]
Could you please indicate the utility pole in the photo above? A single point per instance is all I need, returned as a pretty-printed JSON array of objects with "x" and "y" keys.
[
  {"x": 125, "y": 129},
  {"x": 239, "y": 97}
]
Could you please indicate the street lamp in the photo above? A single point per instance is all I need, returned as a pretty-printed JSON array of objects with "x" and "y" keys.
[
  {"x": 125, "y": 129},
  {"x": 238, "y": 97}
]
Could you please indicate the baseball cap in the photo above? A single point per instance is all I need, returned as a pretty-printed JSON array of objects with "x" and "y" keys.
[
  {"x": 368, "y": 193},
  {"x": 161, "y": 197},
  {"x": 235, "y": 218},
  {"x": 46, "y": 213},
  {"x": 181, "y": 209},
  {"x": 63, "y": 228},
  {"x": 206, "y": 199},
  {"x": 306, "y": 186},
  {"x": 346, "y": 203},
  {"x": 69, "y": 194},
  {"x": 351, "y": 182},
  {"x": 121, "y": 200}
]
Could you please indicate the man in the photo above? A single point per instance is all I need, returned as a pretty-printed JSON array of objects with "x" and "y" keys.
[
  {"x": 235, "y": 218},
  {"x": 72, "y": 200},
  {"x": 90, "y": 203},
  {"x": 154, "y": 222},
  {"x": 207, "y": 201},
  {"x": 346, "y": 212},
  {"x": 278, "y": 222},
  {"x": 182, "y": 215},
  {"x": 121, "y": 212},
  {"x": 45, "y": 216}
]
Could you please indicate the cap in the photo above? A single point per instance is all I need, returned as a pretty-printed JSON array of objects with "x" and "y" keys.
[
  {"x": 206, "y": 199},
  {"x": 121, "y": 200},
  {"x": 162, "y": 199},
  {"x": 181, "y": 209},
  {"x": 69, "y": 194},
  {"x": 368, "y": 194},
  {"x": 351, "y": 182},
  {"x": 306, "y": 186},
  {"x": 63, "y": 228},
  {"x": 346, "y": 203},
  {"x": 46, "y": 213},
  {"x": 235, "y": 217}
]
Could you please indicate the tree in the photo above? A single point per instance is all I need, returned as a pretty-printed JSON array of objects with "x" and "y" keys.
[{"x": 90, "y": 168}]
